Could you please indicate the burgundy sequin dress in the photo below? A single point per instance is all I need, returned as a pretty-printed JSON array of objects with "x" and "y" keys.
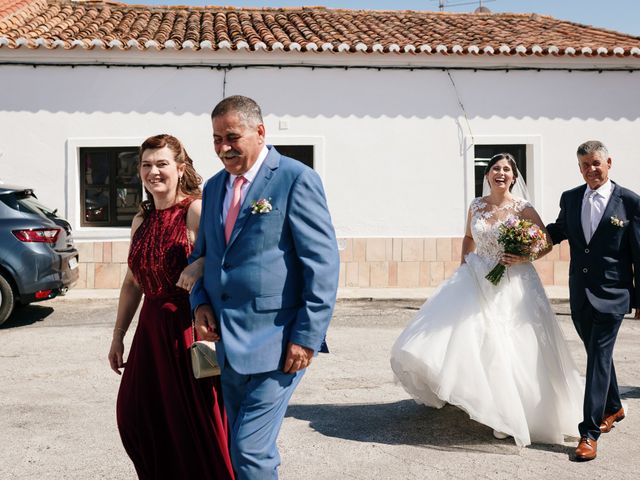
[{"x": 172, "y": 425}]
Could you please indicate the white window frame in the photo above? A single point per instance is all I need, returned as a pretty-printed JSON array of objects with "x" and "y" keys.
[
  {"x": 315, "y": 141},
  {"x": 73, "y": 202},
  {"x": 534, "y": 163}
]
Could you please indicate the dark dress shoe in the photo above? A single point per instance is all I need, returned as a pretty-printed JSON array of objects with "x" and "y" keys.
[
  {"x": 586, "y": 449},
  {"x": 609, "y": 420}
]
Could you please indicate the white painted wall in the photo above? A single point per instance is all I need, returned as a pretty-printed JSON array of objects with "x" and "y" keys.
[{"x": 393, "y": 145}]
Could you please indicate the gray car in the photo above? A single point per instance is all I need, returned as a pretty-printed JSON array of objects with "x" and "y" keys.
[{"x": 38, "y": 260}]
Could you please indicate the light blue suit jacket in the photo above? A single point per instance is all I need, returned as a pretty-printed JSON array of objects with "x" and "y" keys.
[{"x": 276, "y": 280}]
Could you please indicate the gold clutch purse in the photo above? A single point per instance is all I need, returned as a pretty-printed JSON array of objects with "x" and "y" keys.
[{"x": 204, "y": 361}]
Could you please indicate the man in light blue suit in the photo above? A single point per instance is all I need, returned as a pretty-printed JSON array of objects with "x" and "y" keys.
[{"x": 270, "y": 279}]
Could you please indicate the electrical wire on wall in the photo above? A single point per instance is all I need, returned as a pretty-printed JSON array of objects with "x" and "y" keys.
[{"x": 464, "y": 112}]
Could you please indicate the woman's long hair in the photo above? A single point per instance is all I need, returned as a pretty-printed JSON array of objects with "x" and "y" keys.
[{"x": 188, "y": 185}]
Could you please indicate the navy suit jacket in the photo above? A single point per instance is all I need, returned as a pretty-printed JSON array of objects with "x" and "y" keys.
[
  {"x": 606, "y": 270},
  {"x": 276, "y": 280}
]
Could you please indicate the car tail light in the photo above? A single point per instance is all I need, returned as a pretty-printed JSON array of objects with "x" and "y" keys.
[
  {"x": 43, "y": 294},
  {"x": 43, "y": 235}
]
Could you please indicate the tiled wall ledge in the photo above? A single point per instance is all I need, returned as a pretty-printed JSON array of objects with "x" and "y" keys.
[{"x": 364, "y": 263}]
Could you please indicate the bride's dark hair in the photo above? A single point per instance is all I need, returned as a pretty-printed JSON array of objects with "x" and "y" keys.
[{"x": 504, "y": 156}]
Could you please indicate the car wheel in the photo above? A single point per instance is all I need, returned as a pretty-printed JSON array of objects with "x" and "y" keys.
[{"x": 7, "y": 299}]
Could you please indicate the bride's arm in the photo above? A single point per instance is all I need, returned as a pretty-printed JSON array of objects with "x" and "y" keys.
[{"x": 468, "y": 244}]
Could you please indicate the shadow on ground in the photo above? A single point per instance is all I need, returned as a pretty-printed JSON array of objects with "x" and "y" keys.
[
  {"x": 26, "y": 315},
  {"x": 407, "y": 423}
]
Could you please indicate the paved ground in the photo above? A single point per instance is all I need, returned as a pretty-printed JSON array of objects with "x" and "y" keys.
[{"x": 348, "y": 420}]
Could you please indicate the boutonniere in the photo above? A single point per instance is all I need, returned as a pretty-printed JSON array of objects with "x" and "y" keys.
[
  {"x": 617, "y": 222},
  {"x": 261, "y": 206}
]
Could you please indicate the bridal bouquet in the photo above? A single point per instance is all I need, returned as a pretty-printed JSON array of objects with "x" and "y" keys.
[{"x": 517, "y": 237}]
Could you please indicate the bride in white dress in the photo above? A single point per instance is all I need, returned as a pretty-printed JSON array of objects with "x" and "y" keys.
[{"x": 496, "y": 352}]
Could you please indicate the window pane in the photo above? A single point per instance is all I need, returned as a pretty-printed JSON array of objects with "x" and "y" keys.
[
  {"x": 302, "y": 153},
  {"x": 128, "y": 186},
  {"x": 96, "y": 167},
  {"x": 96, "y": 205}
]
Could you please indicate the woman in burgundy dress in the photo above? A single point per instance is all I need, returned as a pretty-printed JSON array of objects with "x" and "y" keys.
[{"x": 172, "y": 425}]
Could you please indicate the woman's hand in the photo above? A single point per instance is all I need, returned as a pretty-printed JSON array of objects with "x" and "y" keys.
[
  {"x": 191, "y": 274},
  {"x": 509, "y": 259},
  {"x": 116, "y": 354}
]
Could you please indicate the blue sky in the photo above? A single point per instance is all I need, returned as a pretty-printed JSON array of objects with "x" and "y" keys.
[{"x": 620, "y": 15}]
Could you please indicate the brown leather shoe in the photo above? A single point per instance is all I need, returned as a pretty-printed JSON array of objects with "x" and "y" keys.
[
  {"x": 609, "y": 420},
  {"x": 586, "y": 449}
]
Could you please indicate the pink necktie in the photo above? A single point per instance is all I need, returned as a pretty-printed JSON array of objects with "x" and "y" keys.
[{"x": 234, "y": 207}]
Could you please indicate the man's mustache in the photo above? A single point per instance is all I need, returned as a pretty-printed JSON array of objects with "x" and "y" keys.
[{"x": 230, "y": 154}]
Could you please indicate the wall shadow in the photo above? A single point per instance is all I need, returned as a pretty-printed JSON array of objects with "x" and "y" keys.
[{"x": 326, "y": 93}]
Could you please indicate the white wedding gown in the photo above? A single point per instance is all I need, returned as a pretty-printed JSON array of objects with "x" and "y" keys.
[{"x": 494, "y": 351}]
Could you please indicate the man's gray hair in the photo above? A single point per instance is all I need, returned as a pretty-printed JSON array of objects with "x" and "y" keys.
[
  {"x": 246, "y": 107},
  {"x": 592, "y": 146}
]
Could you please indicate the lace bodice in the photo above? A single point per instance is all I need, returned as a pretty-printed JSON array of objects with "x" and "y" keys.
[
  {"x": 485, "y": 224},
  {"x": 158, "y": 252}
]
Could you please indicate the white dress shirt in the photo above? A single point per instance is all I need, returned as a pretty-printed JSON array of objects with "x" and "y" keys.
[
  {"x": 594, "y": 203},
  {"x": 249, "y": 177}
]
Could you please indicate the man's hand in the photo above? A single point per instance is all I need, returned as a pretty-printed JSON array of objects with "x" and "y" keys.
[
  {"x": 298, "y": 358},
  {"x": 205, "y": 322}
]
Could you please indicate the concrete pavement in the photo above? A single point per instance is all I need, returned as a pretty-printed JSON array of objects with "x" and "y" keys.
[{"x": 347, "y": 420}]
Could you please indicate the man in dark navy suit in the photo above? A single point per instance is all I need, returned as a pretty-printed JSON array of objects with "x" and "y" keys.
[{"x": 601, "y": 220}]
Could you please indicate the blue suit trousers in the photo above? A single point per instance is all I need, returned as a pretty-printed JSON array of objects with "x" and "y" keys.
[{"x": 256, "y": 405}]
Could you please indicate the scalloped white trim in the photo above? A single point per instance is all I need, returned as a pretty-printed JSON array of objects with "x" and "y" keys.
[
  {"x": 441, "y": 49},
  {"x": 409, "y": 49},
  {"x": 260, "y": 46},
  {"x": 361, "y": 47},
  {"x": 602, "y": 51},
  {"x": 327, "y": 47},
  {"x": 536, "y": 49},
  {"x": 295, "y": 47},
  {"x": 118, "y": 44},
  {"x": 151, "y": 44},
  {"x": 521, "y": 49},
  {"x": 4, "y": 41},
  {"x": 205, "y": 45},
  {"x": 425, "y": 48},
  {"x": 569, "y": 51},
  {"x": 474, "y": 49},
  {"x": 553, "y": 49},
  {"x": 457, "y": 49},
  {"x": 343, "y": 47},
  {"x": 489, "y": 50},
  {"x": 57, "y": 43},
  {"x": 40, "y": 42},
  {"x": 22, "y": 42},
  {"x": 618, "y": 51},
  {"x": 225, "y": 44},
  {"x": 377, "y": 47},
  {"x": 311, "y": 47},
  {"x": 505, "y": 48},
  {"x": 394, "y": 47},
  {"x": 277, "y": 46},
  {"x": 586, "y": 51},
  {"x": 133, "y": 43},
  {"x": 78, "y": 43},
  {"x": 241, "y": 45},
  {"x": 635, "y": 51}
]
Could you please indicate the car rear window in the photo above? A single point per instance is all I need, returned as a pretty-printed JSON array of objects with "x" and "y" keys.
[{"x": 26, "y": 201}]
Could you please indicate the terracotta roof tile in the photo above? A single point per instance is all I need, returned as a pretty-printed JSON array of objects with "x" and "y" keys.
[{"x": 109, "y": 25}]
